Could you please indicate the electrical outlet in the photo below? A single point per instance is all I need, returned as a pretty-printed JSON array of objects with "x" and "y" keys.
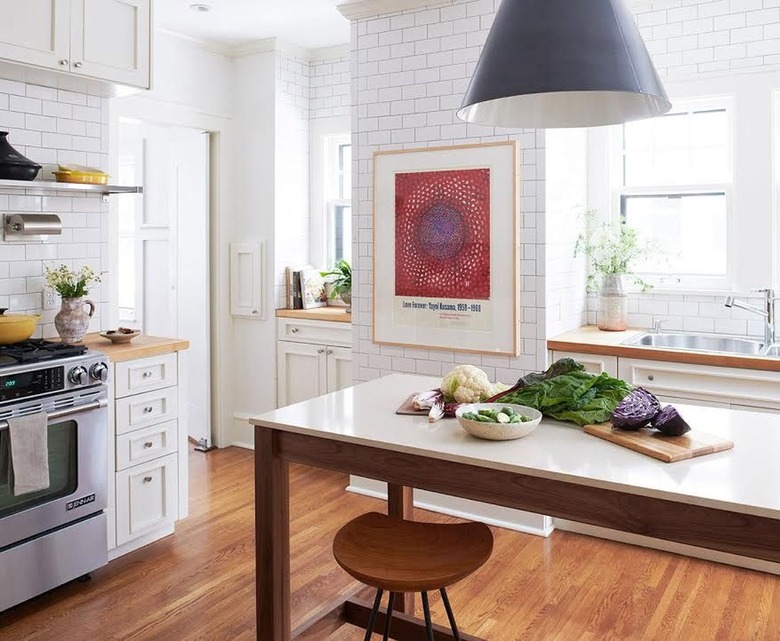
[{"x": 50, "y": 299}]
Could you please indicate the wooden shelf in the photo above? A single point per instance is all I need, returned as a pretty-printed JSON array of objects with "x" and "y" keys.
[{"x": 333, "y": 314}]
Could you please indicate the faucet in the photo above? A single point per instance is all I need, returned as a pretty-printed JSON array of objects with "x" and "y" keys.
[{"x": 768, "y": 312}]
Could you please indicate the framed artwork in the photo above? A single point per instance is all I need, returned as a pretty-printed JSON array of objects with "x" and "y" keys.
[{"x": 446, "y": 248}]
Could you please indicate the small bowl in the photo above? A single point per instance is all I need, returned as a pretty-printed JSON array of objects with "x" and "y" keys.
[
  {"x": 498, "y": 431},
  {"x": 119, "y": 337}
]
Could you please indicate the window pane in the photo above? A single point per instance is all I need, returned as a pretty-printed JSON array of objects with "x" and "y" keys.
[
  {"x": 345, "y": 171},
  {"x": 677, "y": 149},
  {"x": 342, "y": 233},
  {"x": 690, "y": 231}
]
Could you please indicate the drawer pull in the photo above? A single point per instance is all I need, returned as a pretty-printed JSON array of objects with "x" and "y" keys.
[
  {"x": 294, "y": 330},
  {"x": 148, "y": 409},
  {"x": 650, "y": 377},
  {"x": 147, "y": 374},
  {"x": 148, "y": 444},
  {"x": 147, "y": 479}
]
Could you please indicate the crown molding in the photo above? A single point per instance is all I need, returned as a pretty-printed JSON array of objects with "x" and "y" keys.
[
  {"x": 219, "y": 48},
  {"x": 329, "y": 53},
  {"x": 356, "y": 9}
]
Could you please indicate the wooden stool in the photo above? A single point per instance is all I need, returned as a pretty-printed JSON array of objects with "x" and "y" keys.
[{"x": 394, "y": 555}]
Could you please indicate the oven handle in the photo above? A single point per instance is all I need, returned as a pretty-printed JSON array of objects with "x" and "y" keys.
[{"x": 96, "y": 405}]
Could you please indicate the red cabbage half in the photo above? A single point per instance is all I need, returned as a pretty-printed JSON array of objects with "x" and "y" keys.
[
  {"x": 668, "y": 421},
  {"x": 636, "y": 410}
]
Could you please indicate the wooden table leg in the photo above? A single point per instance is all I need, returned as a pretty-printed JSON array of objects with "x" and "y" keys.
[
  {"x": 400, "y": 504},
  {"x": 272, "y": 539}
]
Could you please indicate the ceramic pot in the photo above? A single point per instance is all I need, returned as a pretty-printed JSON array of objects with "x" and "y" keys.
[
  {"x": 14, "y": 166},
  {"x": 612, "y": 315},
  {"x": 346, "y": 296},
  {"x": 72, "y": 321}
]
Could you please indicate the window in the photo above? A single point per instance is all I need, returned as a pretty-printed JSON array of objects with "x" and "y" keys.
[
  {"x": 337, "y": 191},
  {"x": 674, "y": 188}
]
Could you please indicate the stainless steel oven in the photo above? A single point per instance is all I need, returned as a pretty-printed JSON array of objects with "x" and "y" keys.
[{"x": 54, "y": 535}]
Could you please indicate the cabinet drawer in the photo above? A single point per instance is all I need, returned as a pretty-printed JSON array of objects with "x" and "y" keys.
[
  {"x": 146, "y": 498},
  {"x": 143, "y": 410},
  {"x": 321, "y": 332},
  {"x": 146, "y": 444},
  {"x": 145, "y": 374}
]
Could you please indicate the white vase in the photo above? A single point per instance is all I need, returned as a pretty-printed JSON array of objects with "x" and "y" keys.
[
  {"x": 612, "y": 315},
  {"x": 72, "y": 321}
]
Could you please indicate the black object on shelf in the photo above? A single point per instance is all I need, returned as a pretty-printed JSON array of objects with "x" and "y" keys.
[{"x": 14, "y": 166}]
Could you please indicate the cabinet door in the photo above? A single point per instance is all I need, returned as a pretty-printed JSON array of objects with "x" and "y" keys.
[
  {"x": 339, "y": 361},
  {"x": 35, "y": 32},
  {"x": 110, "y": 40},
  {"x": 301, "y": 372},
  {"x": 146, "y": 498}
]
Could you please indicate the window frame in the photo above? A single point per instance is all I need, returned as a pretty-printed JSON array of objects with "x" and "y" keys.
[
  {"x": 332, "y": 192},
  {"x": 619, "y": 193}
]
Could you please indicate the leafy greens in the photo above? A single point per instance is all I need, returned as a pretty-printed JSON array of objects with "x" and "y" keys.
[{"x": 567, "y": 393}]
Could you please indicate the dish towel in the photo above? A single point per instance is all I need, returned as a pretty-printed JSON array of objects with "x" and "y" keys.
[{"x": 29, "y": 452}]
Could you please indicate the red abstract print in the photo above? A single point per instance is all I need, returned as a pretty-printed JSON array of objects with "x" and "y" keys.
[{"x": 442, "y": 234}]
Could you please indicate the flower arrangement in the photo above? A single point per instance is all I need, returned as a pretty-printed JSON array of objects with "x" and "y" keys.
[
  {"x": 612, "y": 248},
  {"x": 71, "y": 284}
]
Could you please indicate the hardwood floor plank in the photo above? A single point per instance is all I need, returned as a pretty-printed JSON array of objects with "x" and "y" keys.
[{"x": 199, "y": 584}]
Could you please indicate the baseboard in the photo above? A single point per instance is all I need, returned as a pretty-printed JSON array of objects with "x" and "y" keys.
[
  {"x": 140, "y": 542},
  {"x": 668, "y": 546},
  {"x": 472, "y": 510}
]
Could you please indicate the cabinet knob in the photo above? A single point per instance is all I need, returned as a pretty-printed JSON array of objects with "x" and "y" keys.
[
  {"x": 64, "y": 62},
  {"x": 320, "y": 351},
  {"x": 147, "y": 374},
  {"x": 78, "y": 65},
  {"x": 294, "y": 330},
  {"x": 148, "y": 444},
  {"x": 650, "y": 377},
  {"x": 254, "y": 311},
  {"x": 330, "y": 351},
  {"x": 147, "y": 479},
  {"x": 148, "y": 409}
]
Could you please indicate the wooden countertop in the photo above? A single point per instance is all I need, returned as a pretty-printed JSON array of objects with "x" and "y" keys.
[
  {"x": 140, "y": 347},
  {"x": 333, "y": 314},
  {"x": 591, "y": 340}
]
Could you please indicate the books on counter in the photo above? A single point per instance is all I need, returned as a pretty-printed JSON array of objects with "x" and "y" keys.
[{"x": 305, "y": 287}]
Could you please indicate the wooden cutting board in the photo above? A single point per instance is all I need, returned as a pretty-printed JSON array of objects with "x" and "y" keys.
[
  {"x": 407, "y": 408},
  {"x": 669, "y": 449}
]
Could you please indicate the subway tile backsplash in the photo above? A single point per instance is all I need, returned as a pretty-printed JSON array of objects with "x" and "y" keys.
[{"x": 52, "y": 126}]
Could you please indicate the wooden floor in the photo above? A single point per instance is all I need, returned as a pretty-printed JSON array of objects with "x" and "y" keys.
[{"x": 199, "y": 584}]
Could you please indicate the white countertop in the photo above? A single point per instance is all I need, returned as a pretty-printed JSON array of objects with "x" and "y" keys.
[{"x": 745, "y": 479}]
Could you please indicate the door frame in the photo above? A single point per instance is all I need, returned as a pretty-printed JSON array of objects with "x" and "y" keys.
[{"x": 158, "y": 112}]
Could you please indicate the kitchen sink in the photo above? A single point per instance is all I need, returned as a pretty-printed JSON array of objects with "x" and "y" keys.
[{"x": 703, "y": 343}]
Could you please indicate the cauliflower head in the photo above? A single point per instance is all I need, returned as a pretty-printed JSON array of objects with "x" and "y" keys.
[{"x": 466, "y": 384}]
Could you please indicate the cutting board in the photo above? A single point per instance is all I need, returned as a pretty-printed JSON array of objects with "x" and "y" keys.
[
  {"x": 407, "y": 408},
  {"x": 669, "y": 449}
]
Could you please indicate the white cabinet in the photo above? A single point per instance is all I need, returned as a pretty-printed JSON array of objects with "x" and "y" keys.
[
  {"x": 148, "y": 449},
  {"x": 103, "y": 39},
  {"x": 313, "y": 358},
  {"x": 594, "y": 363},
  {"x": 714, "y": 386}
]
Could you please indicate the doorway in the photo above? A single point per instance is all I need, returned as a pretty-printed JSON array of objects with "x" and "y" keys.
[{"x": 163, "y": 253}]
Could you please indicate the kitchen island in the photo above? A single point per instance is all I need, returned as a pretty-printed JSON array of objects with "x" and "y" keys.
[{"x": 726, "y": 501}]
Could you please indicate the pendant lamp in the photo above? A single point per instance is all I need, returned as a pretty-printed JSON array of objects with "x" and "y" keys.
[{"x": 563, "y": 63}]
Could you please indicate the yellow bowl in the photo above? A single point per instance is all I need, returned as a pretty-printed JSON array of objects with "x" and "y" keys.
[
  {"x": 16, "y": 328},
  {"x": 82, "y": 177}
]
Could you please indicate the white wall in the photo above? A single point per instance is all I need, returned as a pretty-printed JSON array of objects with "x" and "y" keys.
[{"x": 53, "y": 126}]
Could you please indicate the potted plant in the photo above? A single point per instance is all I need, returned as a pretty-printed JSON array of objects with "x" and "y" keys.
[
  {"x": 341, "y": 281},
  {"x": 612, "y": 248},
  {"x": 72, "y": 321}
]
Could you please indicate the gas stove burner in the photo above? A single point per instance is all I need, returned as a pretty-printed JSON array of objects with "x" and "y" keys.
[{"x": 37, "y": 350}]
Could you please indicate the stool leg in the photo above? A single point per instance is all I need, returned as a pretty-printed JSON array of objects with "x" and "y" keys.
[
  {"x": 372, "y": 617},
  {"x": 427, "y": 613},
  {"x": 389, "y": 617},
  {"x": 450, "y": 616}
]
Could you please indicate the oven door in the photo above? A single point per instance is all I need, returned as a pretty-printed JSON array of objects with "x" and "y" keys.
[{"x": 77, "y": 441}]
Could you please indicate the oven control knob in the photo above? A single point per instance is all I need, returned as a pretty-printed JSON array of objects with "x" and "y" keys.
[
  {"x": 78, "y": 376},
  {"x": 99, "y": 371}
]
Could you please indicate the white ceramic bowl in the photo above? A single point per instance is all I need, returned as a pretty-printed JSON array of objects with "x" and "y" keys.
[
  {"x": 120, "y": 337},
  {"x": 498, "y": 431}
]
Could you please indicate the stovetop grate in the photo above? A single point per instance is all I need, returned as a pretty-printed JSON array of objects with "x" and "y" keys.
[{"x": 37, "y": 350}]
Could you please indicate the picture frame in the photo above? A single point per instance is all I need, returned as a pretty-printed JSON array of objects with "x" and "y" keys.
[
  {"x": 313, "y": 290},
  {"x": 446, "y": 248}
]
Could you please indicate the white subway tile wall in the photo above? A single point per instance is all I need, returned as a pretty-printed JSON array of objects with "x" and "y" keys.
[
  {"x": 329, "y": 83},
  {"x": 409, "y": 73},
  {"x": 52, "y": 126}
]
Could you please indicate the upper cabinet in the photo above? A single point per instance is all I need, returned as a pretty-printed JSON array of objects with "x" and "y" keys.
[{"x": 103, "y": 39}]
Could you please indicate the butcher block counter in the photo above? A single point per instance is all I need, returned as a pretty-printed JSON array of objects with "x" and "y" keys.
[
  {"x": 591, "y": 340},
  {"x": 140, "y": 347}
]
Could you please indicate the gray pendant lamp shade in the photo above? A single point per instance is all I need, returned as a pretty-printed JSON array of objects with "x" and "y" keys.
[{"x": 563, "y": 63}]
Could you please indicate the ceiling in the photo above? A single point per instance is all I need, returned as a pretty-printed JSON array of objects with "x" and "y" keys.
[{"x": 307, "y": 23}]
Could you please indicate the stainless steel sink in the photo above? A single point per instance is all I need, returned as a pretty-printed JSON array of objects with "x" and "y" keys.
[{"x": 702, "y": 343}]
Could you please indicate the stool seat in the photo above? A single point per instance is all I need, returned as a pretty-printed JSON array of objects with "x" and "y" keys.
[{"x": 408, "y": 556}]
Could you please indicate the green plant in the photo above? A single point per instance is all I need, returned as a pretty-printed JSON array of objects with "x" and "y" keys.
[
  {"x": 342, "y": 278},
  {"x": 71, "y": 284},
  {"x": 612, "y": 248}
]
